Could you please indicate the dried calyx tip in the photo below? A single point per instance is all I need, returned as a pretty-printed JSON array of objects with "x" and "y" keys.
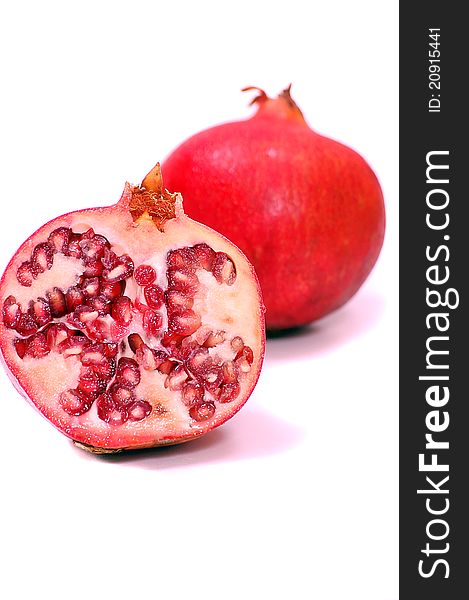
[
  {"x": 286, "y": 95},
  {"x": 263, "y": 100},
  {"x": 150, "y": 200},
  {"x": 153, "y": 181},
  {"x": 259, "y": 98}
]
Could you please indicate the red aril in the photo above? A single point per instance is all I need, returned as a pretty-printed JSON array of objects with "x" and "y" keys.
[
  {"x": 306, "y": 210},
  {"x": 118, "y": 323},
  {"x": 144, "y": 275}
]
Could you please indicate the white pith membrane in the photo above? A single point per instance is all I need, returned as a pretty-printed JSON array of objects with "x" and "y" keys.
[{"x": 235, "y": 310}]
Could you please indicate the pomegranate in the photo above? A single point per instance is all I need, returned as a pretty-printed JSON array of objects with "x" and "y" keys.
[
  {"x": 306, "y": 210},
  {"x": 132, "y": 326}
]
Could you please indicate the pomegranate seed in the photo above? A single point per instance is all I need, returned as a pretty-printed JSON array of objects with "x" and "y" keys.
[
  {"x": 204, "y": 256},
  {"x": 26, "y": 274},
  {"x": 135, "y": 342},
  {"x": 147, "y": 358},
  {"x": 139, "y": 410},
  {"x": 223, "y": 269},
  {"x": 21, "y": 346},
  {"x": 96, "y": 326},
  {"x": 185, "y": 323},
  {"x": 229, "y": 391},
  {"x": 93, "y": 248},
  {"x": 243, "y": 365},
  {"x": 74, "y": 402},
  {"x": 154, "y": 296},
  {"x": 103, "y": 241},
  {"x": 177, "y": 378},
  {"x": 166, "y": 366},
  {"x": 110, "y": 350},
  {"x": 118, "y": 273},
  {"x": 73, "y": 345},
  {"x": 73, "y": 247},
  {"x": 57, "y": 303},
  {"x": 83, "y": 317},
  {"x": 103, "y": 404},
  {"x": 199, "y": 361},
  {"x": 202, "y": 411},
  {"x": 109, "y": 259},
  {"x": 87, "y": 235},
  {"x": 58, "y": 239},
  {"x": 100, "y": 330},
  {"x": 178, "y": 301},
  {"x": 121, "y": 394},
  {"x": 112, "y": 290},
  {"x": 122, "y": 310},
  {"x": 90, "y": 287},
  {"x": 90, "y": 384},
  {"x": 213, "y": 377},
  {"x": 93, "y": 355},
  {"x": 214, "y": 339},
  {"x": 171, "y": 340},
  {"x": 247, "y": 353},
  {"x": 26, "y": 325},
  {"x": 74, "y": 298},
  {"x": 183, "y": 258},
  {"x": 117, "y": 332},
  {"x": 106, "y": 370},
  {"x": 43, "y": 257},
  {"x": 192, "y": 393},
  {"x": 126, "y": 260},
  {"x": 237, "y": 344},
  {"x": 11, "y": 312},
  {"x": 123, "y": 268},
  {"x": 144, "y": 275},
  {"x": 93, "y": 268},
  {"x": 182, "y": 280},
  {"x": 109, "y": 412},
  {"x": 140, "y": 306},
  {"x": 185, "y": 349},
  {"x": 56, "y": 334},
  {"x": 38, "y": 347},
  {"x": 40, "y": 312},
  {"x": 101, "y": 304},
  {"x": 230, "y": 373},
  {"x": 86, "y": 372},
  {"x": 128, "y": 372},
  {"x": 152, "y": 322}
]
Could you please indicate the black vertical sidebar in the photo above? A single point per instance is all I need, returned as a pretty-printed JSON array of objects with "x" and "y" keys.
[{"x": 434, "y": 332}]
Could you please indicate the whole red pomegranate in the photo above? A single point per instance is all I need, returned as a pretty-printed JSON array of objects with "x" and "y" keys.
[
  {"x": 132, "y": 326},
  {"x": 306, "y": 210}
]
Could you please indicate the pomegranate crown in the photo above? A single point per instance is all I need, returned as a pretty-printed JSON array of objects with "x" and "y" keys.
[
  {"x": 150, "y": 200},
  {"x": 282, "y": 106}
]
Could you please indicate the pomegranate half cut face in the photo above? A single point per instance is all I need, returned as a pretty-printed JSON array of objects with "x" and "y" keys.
[{"x": 132, "y": 326}]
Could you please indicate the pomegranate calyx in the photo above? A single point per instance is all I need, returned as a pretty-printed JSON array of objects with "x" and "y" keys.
[
  {"x": 283, "y": 106},
  {"x": 153, "y": 181},
  {"x": 151, "y": 201},
  {"x": 260, "y": 98}
]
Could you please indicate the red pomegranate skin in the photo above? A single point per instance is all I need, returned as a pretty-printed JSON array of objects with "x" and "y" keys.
[{"x": 307, "y": 211}]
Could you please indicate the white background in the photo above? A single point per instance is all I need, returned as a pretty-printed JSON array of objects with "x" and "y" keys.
[{"x": 296, "y": 497}]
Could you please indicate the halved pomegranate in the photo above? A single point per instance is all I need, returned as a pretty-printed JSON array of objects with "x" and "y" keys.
[{"x": 132, "y": 326}]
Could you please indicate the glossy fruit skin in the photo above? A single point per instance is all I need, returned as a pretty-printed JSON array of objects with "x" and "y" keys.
[{"x": 306, "y": 210}]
